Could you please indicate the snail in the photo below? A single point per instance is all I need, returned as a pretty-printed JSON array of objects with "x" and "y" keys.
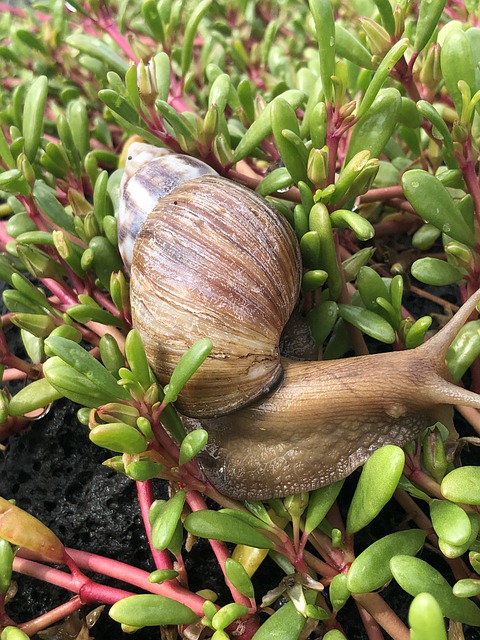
[{"x": 214, "y": 259}]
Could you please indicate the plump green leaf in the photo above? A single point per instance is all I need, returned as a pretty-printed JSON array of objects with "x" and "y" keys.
[
  {"x": 165, "y": 523},
  {"x": 462, "y": 485},
  {"x": 371, "y": 569},
  {"x": 349, "y": 47},
  {"x": 137, "y": 359},
  {"x": 381, "y": 74},
  {"x": 190, "y": 30},
  {"x": 285, "y": 624},
  {"x": 433, "y": 203},
  {"x": 39, "y": 393},
  {"x": 436, "y": 272},
  {"x": 86, "y": 365},
  {"x": 228, "y": 614},
  {"x": 371, "y": 495},
  {"x": 33, "y": 116},
  {"x": 374, "y": 129},
  {"x": 320, "y": 503},
  {"x": 334, "y": 634},
  {"x": 192, "y": 444},
  {"x": 457, "y": 64},
  {"x": 367, "y": 321},
  {"x": 186, "y": 367},
  {"x": 322, "y": 12},
  {"x": 75, "y": 386},
  {"x": 222, "y": 526},
  {"x": 13, "y": 633},
  {"x": 239, "y": 577},
  {"x": 262, "y": 127},
  {"x": 416, "y": 576},
  {"x": 428, "y": 17},
  {"x": 425, "y": 618},
  {"x": 450, "y": 522},
  {"x": 118, "y": 436},
  {"x": 148, "y": 610},
  {"x": 95, "y": 48},
  {"x": 338, "y": 591},
  {"x": 6, "y": 563},
  {"x": 464, "y": 350},
  {"x": 467, "y": 588}
]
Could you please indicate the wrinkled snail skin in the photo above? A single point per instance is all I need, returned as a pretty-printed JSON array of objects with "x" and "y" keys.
[
  {"x": 326, "y": 418},
  {"x": 213, "y": 259}
]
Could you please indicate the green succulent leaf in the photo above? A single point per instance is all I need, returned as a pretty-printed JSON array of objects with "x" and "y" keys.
[
  {"x": 149, "y": 610},
  {"x": 462, "y": 485},
  {"x": 370, "y": 495},
  {"x": 425, "y": 618},
  {"x": 285, "y": 624},
  {"x": 371, "y": 569},
  {"x": 367, "y": 321},
  {"x": 239, "y": 577},
  {"x": 165, "y": 523},
  {"x": 433, "y": 203},
  {"x": 192, "y": 444},
  {"x": 416, "y": 576},
  {"x": 262, "y": 126},
  {"x": 450, "y": 522},
  {"x": 222, "y": 526}
]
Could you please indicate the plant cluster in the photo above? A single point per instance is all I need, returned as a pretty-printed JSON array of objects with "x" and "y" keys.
[{"x": 360, "y": 123}]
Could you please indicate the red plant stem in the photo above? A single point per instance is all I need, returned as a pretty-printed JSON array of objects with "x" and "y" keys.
[
  {"x": 88, "y": 590},
  {"x": 471, "y": 180},
  {"x": 383, "y": 615},
  {"x": 114, "y": 569},
  {"x": 382, "y": 194},
  {"x": 107, "y": 24},
  {"x": 137, "y": 577},
  {"x": 106, "y": 303},
  {"x": 319, "y": 566},
  {"x": 471, "y": 415},
  {"x": 51, "y": 617},
  {"x": 30, "y": 370},
  {"x": 60, "y": 291},
  {"x": 13, "y": 374},
  {"x": 197, "y": 503},
  {"x": 145, "y": 499},
  {"x": 41, "y": 572}
]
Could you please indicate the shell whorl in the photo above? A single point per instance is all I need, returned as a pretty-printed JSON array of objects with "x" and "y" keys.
[
  {"x": 150, "y": 174},
  {"x": 214, "y": 260}
]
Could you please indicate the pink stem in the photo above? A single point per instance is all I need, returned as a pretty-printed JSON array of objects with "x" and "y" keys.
[
  {"x": 145, "y": 499},
  {"x": 58, "y": 290},
  {"x": 13, "y": 374},
  {"x": 106, "y": 23},
  {"x": 137, "y": 577},
  {"x": 51, "y": 617},
  {"x": 197, "y": 503},
  {"x": 42, "y": 572}
]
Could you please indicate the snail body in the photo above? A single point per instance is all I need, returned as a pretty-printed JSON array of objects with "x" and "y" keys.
[{"x": 213, "y": 259}]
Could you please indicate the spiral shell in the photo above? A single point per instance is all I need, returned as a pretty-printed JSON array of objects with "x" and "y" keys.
[
  {"x": 214, "y": 260},
  {"x": 150, "y": 173}
]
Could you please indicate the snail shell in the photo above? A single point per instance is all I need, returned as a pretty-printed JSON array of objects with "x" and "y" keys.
[
  {"x": 150, "y": 173},
  {"x": 214, "y": 260}
]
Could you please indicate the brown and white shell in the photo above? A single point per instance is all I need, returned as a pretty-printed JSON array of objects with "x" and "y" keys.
[
  {"x": 213, "y": 259},
  {"x": 150, "y": 173}
]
